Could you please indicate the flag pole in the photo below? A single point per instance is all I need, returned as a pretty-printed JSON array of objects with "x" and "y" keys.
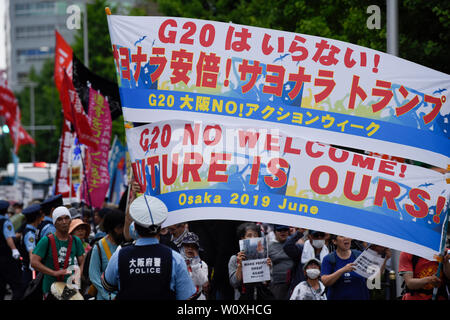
[{"x": 81, "y": 153}]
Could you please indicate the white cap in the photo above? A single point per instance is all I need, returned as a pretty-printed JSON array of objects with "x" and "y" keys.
[
  {"x": 147, "y": 210},
  {"x": 60, "y": 212}
]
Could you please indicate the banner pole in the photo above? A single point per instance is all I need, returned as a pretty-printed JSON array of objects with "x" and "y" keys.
[{"x": 81, "y": 157}]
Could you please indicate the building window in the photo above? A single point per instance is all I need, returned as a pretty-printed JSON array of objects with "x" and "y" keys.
[
  {"x": 34, "y": 9},
  {"x": 22, "y": 76},
  {"x": 36, "y": 31},
  {"x": 34, "y": 54}
]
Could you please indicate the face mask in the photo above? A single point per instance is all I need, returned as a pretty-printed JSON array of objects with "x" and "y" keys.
[
  {"x": 313, "y": 273},
  {"x": 318, "y": 243}
]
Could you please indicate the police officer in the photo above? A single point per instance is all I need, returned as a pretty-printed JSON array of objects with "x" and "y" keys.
[
  {"x": 33, "y": 217},
  {"x": 10, "y": 266},
  {"x": 47, "y": 207},
  {"x": 148, "y": 270}
]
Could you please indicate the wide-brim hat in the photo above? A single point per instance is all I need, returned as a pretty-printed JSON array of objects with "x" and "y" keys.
[
  {"x": 78, "y": 222},
  {"x": 147, "y": 211},
  {"x": 62, "y": 292}
]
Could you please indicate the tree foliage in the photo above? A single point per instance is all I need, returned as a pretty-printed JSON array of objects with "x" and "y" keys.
[
  {"x": 48, "y": 109},
  {"x": 423, "y": 24}
]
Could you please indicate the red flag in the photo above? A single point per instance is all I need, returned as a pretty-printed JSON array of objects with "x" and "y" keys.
[
  {"x": 63, "y": 60},
  {"x": 74, "y": 112},
  {"x": 97, "y": 173},
  {"x": 23, "y": 138},
  {"x": 8, "y": 104}
]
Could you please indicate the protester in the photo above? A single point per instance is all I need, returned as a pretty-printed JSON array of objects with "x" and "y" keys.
[
  {"x": 281, "y": 263},
  {"x": 312, "y": 288},
  {"x": 217, "y": 248},
  {"x": 166, "y": 238},
  {"x": 337, "y": 273},
  {"x": 147, "y": 270},
  {"x": 82, "y": 230},
  {"x": 247, "y": 291},
  {"x": 99, "y": 215},
  {"x": 17, "y": 217},
  {"x": 198, "y": 269},
  {"x": 10, "y": 266},
  {"x": 178, "y": 231},
  {"x": 102, "y": 251},
  {"x": 33, "y": 217},
  {"x": 55, "y": 253},
  {"x": 420, "y": 276},
  {"x": 47, "y": 207},
  {"x": 301, "y": 251}
]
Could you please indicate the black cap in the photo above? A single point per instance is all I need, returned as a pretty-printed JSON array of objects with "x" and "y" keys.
[
  {"x": 314, "y": 233},
  {"x": 280, "y": 227}
]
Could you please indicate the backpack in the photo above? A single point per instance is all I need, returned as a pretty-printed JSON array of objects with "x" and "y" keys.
[
  {"x": 40, "y": 227},
  {"x": 33, "y": 290},
  {"x": 85, "y": 272},
  {"x": 92, "y": 290},
  {"x": 332, "y": 257}
]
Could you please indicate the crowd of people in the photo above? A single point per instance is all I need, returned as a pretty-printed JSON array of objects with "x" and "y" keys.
[{"x": 51, "y": 251}]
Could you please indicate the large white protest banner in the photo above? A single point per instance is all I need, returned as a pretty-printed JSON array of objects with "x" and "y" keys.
[
  {"x": 219, "y": 171},
  {"x": 323, "y": 89}
]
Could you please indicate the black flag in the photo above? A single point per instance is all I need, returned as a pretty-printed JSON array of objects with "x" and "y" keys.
[{"x": 82, "y": 77}]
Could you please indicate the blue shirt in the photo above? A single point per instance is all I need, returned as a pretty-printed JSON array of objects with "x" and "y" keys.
[
  {"x": 30, "y": 238},
  {"x": 96, "y": 269},
  {"x": 48, "y": 228},
  {"x": 8, "y": 229},
  {"x": 180, "y": 281},
  {"x": 350, "y": 286}
]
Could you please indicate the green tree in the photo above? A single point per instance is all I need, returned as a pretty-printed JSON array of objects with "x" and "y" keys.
[
  {"x": 48, "y": 108},
  {"x": 423, "y": 24},
  {"x": 47, "y": 112}
]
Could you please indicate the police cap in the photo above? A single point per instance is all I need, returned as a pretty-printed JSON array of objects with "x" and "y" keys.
[
  {"x": 33, "y": 209},
  {"x": 147, "y": 211},
  {"x": 52, "y": 202},
  {"x": 4, "y": 205}
]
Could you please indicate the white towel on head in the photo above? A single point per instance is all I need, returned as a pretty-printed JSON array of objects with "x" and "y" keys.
[
  {"x": 60, "y": 212},
  {"x": 308, "y": 252}
]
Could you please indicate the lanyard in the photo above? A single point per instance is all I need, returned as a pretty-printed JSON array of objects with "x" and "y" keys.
[{"x": 314, "y": 292}]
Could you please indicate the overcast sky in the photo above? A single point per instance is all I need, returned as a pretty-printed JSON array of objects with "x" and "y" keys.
[{"x": 2, "y": 35}]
